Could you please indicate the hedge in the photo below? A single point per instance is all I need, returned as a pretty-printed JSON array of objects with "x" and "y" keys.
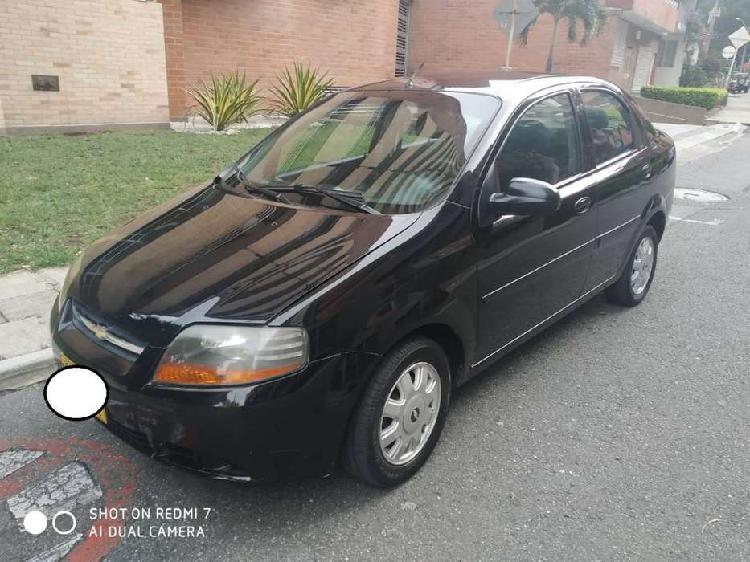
[{"x": 701, "y": 97}]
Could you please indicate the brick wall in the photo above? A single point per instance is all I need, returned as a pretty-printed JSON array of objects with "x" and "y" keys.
[
  {"x": 175, "y": 56},
  {"x": 662, "y": 13},
  {"x": 354, "y": 40},
  {"x": 455, "y": 35},
  {"x": 109, "y": 56}
]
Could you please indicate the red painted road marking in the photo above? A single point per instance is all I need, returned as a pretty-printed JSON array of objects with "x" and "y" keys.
[{"x": 114, "y": 473}]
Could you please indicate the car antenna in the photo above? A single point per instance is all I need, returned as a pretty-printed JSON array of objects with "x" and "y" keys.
[{"x": 410, "y": 81}]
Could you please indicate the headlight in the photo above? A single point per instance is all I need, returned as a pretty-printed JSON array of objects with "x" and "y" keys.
[{"x": 205, "y": 354}]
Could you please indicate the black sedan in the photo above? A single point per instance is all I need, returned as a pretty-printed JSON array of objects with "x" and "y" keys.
[{"x": 320, "y": 300}]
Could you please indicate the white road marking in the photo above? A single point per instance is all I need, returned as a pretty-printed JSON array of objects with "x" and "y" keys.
[
  {"x": 699, "y": 195},
  {"x": 57, "y": 552},
  {"x": 10, "y": 461},
  {"x": 65, "y": 488},
  {"x": 714, "y": 222}
]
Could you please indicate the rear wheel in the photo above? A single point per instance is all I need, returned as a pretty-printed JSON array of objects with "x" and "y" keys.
[
  {"x": 401, "y": 415},
  {"x": 634, "y": 283}
]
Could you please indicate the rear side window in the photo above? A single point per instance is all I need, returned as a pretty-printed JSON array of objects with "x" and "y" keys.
[
  {"x": 642, "y": 123},
  {"x": 611, "y": 127},
  {"x": 543, "y": 144}
]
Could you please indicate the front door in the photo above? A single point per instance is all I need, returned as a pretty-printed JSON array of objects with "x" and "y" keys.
[{"x": 532, "y": 269}]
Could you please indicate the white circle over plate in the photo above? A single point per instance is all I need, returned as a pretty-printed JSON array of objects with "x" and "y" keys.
[
  {"x": 76, "y": 393},
  {"x": 35, "y": 522}
]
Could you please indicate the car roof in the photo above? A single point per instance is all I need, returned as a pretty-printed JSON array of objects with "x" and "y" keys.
[{"x": 497, "y": 83}]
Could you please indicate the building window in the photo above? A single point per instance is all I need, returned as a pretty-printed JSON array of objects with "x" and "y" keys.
[
  {"x": 667, "y": 53},
  {"x": 402, "y": 36}
]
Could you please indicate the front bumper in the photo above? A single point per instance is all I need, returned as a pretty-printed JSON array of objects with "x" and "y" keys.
[{"x": 275, "y": 430}]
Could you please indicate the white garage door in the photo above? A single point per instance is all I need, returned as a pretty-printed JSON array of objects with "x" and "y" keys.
[{"x": 644, "y": 64}]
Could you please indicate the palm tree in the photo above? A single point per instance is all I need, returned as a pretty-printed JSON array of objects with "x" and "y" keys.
[{"x": 590, "y": 12}]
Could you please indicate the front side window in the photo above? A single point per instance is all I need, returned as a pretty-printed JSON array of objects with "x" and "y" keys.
[
  {"x": 543, "y": 144},
  {"x": 609, "y": 121},
  {"x": 400, "y": 151}
]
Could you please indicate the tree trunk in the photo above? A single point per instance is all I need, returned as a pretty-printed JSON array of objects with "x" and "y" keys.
[{"x": 552, "y": 45}]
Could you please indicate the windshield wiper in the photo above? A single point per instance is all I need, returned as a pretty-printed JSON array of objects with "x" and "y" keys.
[
  {"x": 352, "y": 198},
  {"x": 251, "y": 186}
]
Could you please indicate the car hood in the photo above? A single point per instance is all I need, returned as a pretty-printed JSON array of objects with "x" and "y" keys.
[{"x": 216, "y": 255}]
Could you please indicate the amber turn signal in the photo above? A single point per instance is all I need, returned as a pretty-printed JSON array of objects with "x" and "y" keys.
[{"x": 190, "y": 374}]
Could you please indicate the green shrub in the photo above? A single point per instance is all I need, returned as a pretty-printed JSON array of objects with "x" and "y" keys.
[
  {"x": 298, "y": 89},
  {"x": 700, "y": 97},
  {"x": 227, "y": 99}
]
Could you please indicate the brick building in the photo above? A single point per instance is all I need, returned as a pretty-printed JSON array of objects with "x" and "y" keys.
[
  {"x": 463, "y": 35},
  {"x": 88, "y": 64},
  {"x": 99, "y": 63},
  {"x": 354, "y": 40}
]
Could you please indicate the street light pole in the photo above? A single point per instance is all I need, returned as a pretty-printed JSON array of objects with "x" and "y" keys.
[
  {"x": 729, "y": 72},
  {"x": 511, "y": 32}
]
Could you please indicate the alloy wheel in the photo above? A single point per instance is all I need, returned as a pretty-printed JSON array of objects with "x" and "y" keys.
[
  {"x": 410, "y": 413},
  {"x": 643, "y": 264}
]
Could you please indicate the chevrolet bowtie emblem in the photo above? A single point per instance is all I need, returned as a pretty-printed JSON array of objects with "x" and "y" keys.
[{"x": 100, "y": 331}]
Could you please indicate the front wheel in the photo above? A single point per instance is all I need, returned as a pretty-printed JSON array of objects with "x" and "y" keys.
[
  {"x": 401, "y": 415},
  {"x": 633, "y": 285}
]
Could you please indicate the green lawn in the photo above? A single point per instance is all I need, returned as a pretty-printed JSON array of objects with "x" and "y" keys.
[{"x": 59, "y": 193}]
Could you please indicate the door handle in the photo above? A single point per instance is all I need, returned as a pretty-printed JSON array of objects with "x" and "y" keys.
[
  {"x": 646, "y": 169},
  {"x": 582, "y": 204}
]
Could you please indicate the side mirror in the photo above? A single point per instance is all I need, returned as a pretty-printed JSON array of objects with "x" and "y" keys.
[{"x": 526, "y": 196}]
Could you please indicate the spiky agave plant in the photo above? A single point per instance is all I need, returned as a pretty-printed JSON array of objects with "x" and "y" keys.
[
  {"x": 226, "y": 99},
  {"x": 297, "y": 89}
]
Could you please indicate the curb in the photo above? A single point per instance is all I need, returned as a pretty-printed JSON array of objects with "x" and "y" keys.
[
  {"x": 710, "y": 121},
  {"x": 732, "y": 130},
  {"x": 692, "y": 146},
  {"x": 24, "y": 370}
]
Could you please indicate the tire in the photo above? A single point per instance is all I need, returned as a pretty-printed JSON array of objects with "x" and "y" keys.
[
  {"x": 627, "y": 292},
  {"x": 363, "y": 456}
]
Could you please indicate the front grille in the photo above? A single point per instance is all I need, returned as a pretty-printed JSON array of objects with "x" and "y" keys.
[{"x": 104, "y": 333}]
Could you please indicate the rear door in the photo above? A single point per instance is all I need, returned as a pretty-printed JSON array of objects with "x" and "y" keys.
[
  {"x": 533, "y": 268},
  {"x": 621, "y": 172}
]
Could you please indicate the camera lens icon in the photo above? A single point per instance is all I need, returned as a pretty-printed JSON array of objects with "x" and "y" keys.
[
  {"x": 63, "y": 522},
  {"x": 35, "y": 522}
]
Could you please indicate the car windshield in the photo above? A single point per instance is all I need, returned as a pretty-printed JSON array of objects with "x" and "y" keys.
[{"x": 397, "y": 151}]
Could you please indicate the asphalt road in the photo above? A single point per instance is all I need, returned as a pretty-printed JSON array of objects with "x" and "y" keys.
[{"x": 616, "y": 434}]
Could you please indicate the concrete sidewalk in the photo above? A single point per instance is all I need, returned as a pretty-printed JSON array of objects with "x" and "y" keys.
[
  {"x": 737, "y": 110},
  {"x": 697, "y": 141},
  {"x": 26, "y": 298}
]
